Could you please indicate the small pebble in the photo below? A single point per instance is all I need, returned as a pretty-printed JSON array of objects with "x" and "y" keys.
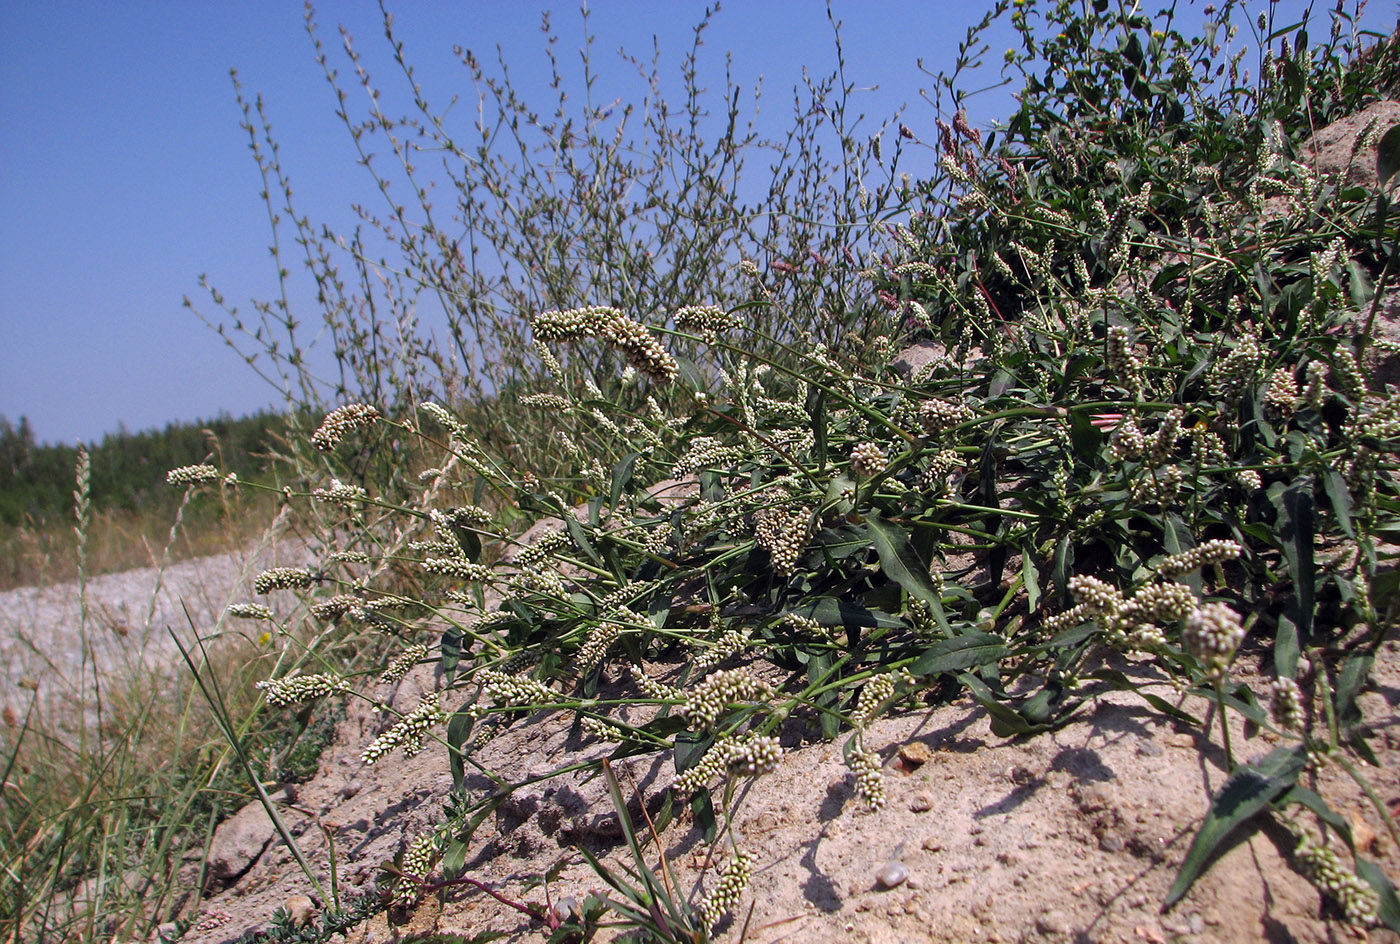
[
  {"x": 300, "y": 910},
  {"x": 892, "y": 875},
  {"x": 1149, "y": 748},
  {"x": 351, "y": 788},
  {"x": 1111, "y": 843},
  {"x": 921, "y": 802},
  {"x": 1053, "y": 922}
]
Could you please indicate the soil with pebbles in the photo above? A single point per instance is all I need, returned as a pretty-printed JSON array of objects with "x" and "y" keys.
[{"x": 1073, "y": 835}]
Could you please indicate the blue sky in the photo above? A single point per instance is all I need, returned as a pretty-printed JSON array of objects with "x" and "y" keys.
[{"x": 124, "y": 173}]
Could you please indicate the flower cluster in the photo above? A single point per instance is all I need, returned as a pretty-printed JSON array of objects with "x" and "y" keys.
[
  {"x": 1358, "y": 900},
  {"x": 703, "y": 319},
  {"x": 1126, "y": 365},
  {"x": 1212, "y": 633},
  {"x": 732, "y": 882},
  {"x": 514, "y": 691},
  {"x": 783, "y": 534},
  {"x": 403, "y": 662},
  {"x": 596, "y": 646},
  {"x": 294, "y": 689},
  {"x": 252, "y": 611},
  {"x": 937, "y": 415},
  {"x": 336, "y": 607},
  {"x": 1314, "y": 385},
  {"x": 602, "y": 730},
  {"x": 546, "y": 401},
  {"x": 457, "y": 567},
  {"x": 870, "y": 783},
  {"x": 867, "y": 459},
  {"x": 730, "y": 642},
  {"x": 751, "y": 756},
  {"x": 346, "y": 496},
  {"x": 872, "y": 695},
  {"x": 705, "y": 452},
  {"x": 408, "y": 734},
  {"x": 192, "y": 475},
  {"x": 1287, "y": 704},
  {"x": 610, "y": 325},
  {"x": 1281, "y": 396},
  {"x": 340, "y": 421},
  {"x": 1348, "y": 373},
  {"x": 545, "y": 546},
  {"x": 282, "y": 578},
  {"x": 708, "y": 700},
  {"x": 1229, "y": 376},
  {"x": 1202, "y": 555},
  {"x": 1128, "y": 440},
  {"x": 447, "y": 421},
  {"x": 417, "y": 862}
]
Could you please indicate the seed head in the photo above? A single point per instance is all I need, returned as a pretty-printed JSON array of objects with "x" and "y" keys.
[
  {"x": 192, "y": 475},
  {"x": 282, "y": 578},
  {"x": 340, "y": 421},
  {"x": 1212, "y": 633}
]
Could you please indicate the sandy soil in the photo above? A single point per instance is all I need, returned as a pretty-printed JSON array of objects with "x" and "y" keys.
[
  {"x": 47, "y": 648},
  {"x": 1074, "y": 835}
]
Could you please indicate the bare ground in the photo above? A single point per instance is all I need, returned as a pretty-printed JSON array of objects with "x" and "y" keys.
[{"x": 1074, "y": 835}]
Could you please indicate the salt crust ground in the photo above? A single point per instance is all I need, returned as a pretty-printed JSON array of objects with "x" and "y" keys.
[{"x": 1074, "y": 835}]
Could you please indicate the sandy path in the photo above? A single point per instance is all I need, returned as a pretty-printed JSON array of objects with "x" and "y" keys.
[{"x": 130, "y": 616}]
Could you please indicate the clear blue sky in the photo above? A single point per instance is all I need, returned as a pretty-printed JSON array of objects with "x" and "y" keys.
[{"x": 124, "y": 174}]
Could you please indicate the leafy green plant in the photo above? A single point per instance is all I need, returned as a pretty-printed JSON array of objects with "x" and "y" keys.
[{"x": 1146, "y": 445}]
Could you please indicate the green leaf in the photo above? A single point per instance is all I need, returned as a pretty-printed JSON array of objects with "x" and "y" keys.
[
  {"x": 899, "y": 562},
  {"x": 1248, "y": 791},
  {"x": 1389, "y": 907},
  {"x": 1286, "y": 649},
  {"x": 451, "y": 651},
  {"x": 690, "y": 747},
  {"x": 622, "y": 477},
  {"x": 959, "y": 653},
  {"x": 1030, "y": 577},
  {"x": 1006, "y": 721},
  {"x": 459, "y": 728},
  {"x": 1296, "y": 534},
  {"x": 1086, "y": 438},
  {"x": 1340, "y": 496},
  {"x": 1351, "y": 680},
  {"x": 1388, "y": 155},
  {"x": 580, "y": 538},
  {"x": 816, "y": 409},
  {"x": 829, "y": 611}
]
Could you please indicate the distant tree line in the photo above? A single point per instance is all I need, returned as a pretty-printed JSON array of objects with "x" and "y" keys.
[{"x": 128, "y": 469}]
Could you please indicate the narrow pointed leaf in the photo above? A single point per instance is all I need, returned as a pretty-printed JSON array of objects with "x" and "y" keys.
[
  {"x": 899, "y": 562},
  {"x": 1248, "y": 791}
]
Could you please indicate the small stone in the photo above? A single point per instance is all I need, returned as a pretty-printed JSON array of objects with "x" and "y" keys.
[
  {"x": 921, "y": 802},
  {"x": 1020, "y": 775},
  {"x": 915, "y": 754},
  {"x": 892, "y": 875},
  {"x": 1196, "y": 923},
  {"x": 932, "y": 844},
  {"x": 1053, "y": 922},
  {"x": 1150, "y": 748},
  {"x": 300, "y": 910},
  {"x": 1111, "y": 843},
  {"x": 351, "y": 788},
  {"x": 1212, "y": 917}
]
